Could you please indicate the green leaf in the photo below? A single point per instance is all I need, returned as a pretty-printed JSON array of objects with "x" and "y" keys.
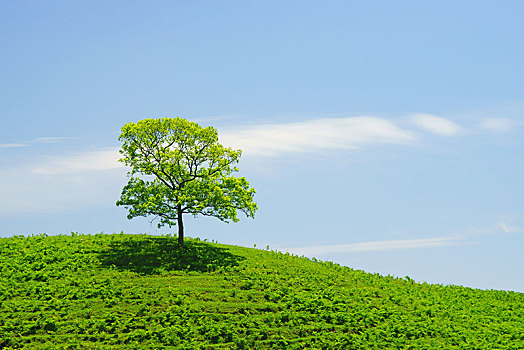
[{"x": 177, "y": 167}]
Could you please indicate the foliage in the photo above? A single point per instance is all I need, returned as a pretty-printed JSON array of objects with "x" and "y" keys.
[
  {"x": 186, "y": 172},
  {"x": 138, "y": 291}
]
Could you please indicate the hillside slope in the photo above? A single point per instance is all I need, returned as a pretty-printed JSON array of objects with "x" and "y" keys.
[{"x": 138, "y": 291}]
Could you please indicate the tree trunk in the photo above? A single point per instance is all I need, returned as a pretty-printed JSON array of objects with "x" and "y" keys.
[{"x": 180, "y": 226}]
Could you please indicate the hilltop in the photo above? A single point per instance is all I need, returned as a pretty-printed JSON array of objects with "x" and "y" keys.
[{"x": 139, "y": 291}]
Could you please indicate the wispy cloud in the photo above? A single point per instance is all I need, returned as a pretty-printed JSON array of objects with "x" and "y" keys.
[
  {"x": 436, "y": 125},
  {"x": 33, "y": 141},
  {"x": 315, "y": 135},
  {"x": 62, "y": 182},
  {"x": 374, "y": 246},
  {"x": 51, "y": 139},
  {"x": 498, "y": 125},
  {"x": 47, "y": 180},
  {"x": 80, "y": 162},
  {"x": 509, "y": 229},
  {"x": 502, "y": 227},
  {"x": 12, "y": 145}
]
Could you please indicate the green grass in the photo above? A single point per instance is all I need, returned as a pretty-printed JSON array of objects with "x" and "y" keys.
[{"x": 139, "y": 291}]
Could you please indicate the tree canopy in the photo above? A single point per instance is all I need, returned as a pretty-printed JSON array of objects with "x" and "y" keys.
[{"x": 178, "y": 167}]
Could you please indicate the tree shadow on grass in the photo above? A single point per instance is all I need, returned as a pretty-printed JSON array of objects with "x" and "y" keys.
[{"x": 152, "y": 255}]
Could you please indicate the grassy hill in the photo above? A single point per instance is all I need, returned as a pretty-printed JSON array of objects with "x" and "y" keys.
[{"x": 139, "y": 291}]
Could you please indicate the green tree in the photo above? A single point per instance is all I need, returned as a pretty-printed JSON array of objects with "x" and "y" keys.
[{"x": 178, "y": 167}]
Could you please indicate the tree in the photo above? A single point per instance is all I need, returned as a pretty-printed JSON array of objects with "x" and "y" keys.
[{"x": 184, "y": 171}]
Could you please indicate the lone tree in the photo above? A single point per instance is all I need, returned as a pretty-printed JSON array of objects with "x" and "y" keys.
[{"x": 184, "y": 171}]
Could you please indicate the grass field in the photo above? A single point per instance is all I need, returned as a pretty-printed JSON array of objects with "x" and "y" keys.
[{"x": 138, "y": 291}]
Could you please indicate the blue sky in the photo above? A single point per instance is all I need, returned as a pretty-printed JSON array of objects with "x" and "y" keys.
[{"x": 384, "y": 136}]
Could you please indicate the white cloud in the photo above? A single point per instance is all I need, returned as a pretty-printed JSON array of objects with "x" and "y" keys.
[
  {"x": 315, "y": 135},
  {"x": 81, "y": 162},
  {"x": 499, "y": 125},
  {"x": 25, "y": 192},
  {"x": 12, "y": 145},
  {"x": 37, "y": 140},
  {"x": 62, "y": 182},
  {"x": 496, "y": 229},
  {"x": 436, "y": 125},
  {"x": 379, "y": 246},
  {"x": 509, "y": 229},
  {"x": 50, "y": 139}
]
